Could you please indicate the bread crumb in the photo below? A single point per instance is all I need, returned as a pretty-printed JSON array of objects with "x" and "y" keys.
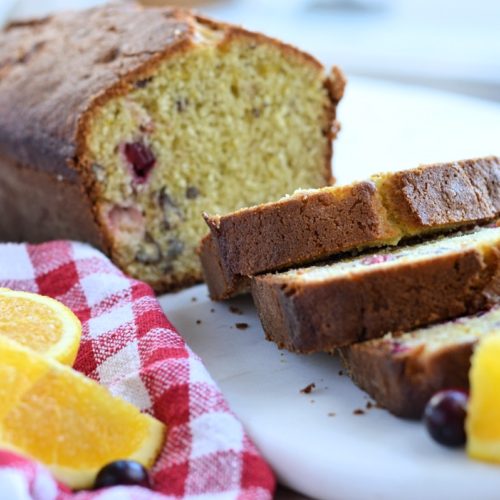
[
  {"x": 235, "y": 310},
  {"x": 369, "y": 405},
  {"x": 198, "y": 321},
  {"x": 341, "y": 372},
  {"x": 358, "y": 411},
  {"x": 332, "y": 414},
  {"x": 193, "y": 299},
  {"x": 241, "y": 326},
  {"x": 308, "y": 388},
  {"x": 212, "y": 310}
]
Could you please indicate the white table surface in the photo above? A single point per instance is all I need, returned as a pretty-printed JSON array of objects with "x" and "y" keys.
[{"x": 346, "y": 456}]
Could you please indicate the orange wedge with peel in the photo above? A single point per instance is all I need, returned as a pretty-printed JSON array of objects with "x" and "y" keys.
[
  {"x": 40, "y": 323},
  {"x": 483, "y": 412},
  {"x": 74, "y": 426}
]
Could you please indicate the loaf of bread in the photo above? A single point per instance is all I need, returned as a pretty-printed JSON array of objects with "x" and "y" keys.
[
  {"x": 316, "y": 224},
  {"x": 120, "y": 125},
  {"x": 326, "y": 306},
  {"x": 402, "y": 372}
]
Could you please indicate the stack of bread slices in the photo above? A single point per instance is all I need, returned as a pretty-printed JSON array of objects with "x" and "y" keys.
[{"x": 399, "y": 273}]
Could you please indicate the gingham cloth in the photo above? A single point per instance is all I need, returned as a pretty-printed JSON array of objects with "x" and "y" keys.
[{"x": 129, "y": 346}]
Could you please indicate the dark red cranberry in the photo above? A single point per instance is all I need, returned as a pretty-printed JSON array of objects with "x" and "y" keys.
[
  {"x": 140, "y": 157},
  {"x": 444, "y": 417},
  {"x": 122, "y": 472}
]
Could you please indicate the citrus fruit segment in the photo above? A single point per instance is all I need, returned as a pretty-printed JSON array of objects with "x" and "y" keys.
[
  {"x": 483, "y": 414},
  {"x": 68, "y": 422},
  {"x": 40, "y": 323}
]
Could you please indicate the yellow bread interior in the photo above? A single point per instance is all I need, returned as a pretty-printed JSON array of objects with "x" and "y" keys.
[
  {"x": 230, "y": 124},
  {"x": 464, "y": 330}
]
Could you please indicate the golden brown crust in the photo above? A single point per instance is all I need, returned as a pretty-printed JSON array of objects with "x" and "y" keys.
[
  {"x": 319, "y": 223},
  {"x": 32, "y": 202},
  {"x": 220, "y": 284},
  {"x": 413, "y": 202},
  {"x": 335, "y": 83},
  {"x": 237, "y": 32},
  {"x": 325, "y": 314},
  {"x": 403, "y": 382},
  {"x": 432, "y": 196}
]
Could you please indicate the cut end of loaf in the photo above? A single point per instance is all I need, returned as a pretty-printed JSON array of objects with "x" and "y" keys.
[{"x": 233, "y": 121}]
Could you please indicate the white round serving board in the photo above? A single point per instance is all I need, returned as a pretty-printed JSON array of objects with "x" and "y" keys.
[{"x": 346, "y": 456}]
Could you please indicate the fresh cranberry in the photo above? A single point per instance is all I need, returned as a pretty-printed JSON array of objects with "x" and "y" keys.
[
  {"x": 377, "y": 259},
  {"x": 398, "y": 347},
  {"x": 444, "y": 416},
  {"x": 141, "y": 158},
  {"x": 125, "y": 472}
]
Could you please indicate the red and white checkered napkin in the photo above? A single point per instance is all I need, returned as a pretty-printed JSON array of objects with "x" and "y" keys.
[{"x": 129, "y": 346}]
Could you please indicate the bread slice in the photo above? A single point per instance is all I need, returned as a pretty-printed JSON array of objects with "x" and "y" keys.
[
  {"x": 120, "y": 125},
  {"x": 315, "y": 224},
  {"x": 322, "y": 307},
  {"x": 402, "y": 372}
]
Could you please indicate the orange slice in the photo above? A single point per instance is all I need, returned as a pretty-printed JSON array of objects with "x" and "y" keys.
[
  {"x": 40, "y": 323},
  {"x": 68, "y": 422},
  {"x": 483, "y": 413}
]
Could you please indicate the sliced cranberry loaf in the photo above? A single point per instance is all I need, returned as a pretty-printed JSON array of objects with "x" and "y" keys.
[
  {"x": 120, "y": 125},
  {"x": 402, "y": 372},
  {"x": 315, "y": 224},
  {"x": 322, "y": 307}
]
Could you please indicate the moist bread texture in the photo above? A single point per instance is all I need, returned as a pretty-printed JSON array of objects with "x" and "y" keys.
[
  {"x": 402, "y": 372},
  {"x": 320, "y": 308},
  {"x": 315, "y": 224},
  {"x": 120, "y": 125}
]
